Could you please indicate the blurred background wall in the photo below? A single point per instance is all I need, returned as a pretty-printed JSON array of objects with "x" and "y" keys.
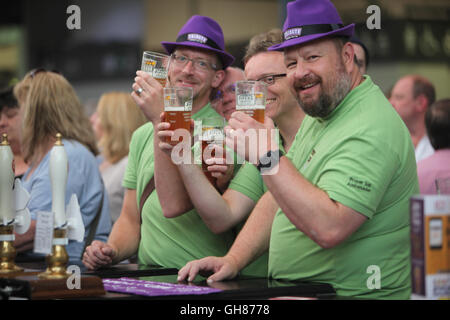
[{"x": 104, "y": 54}]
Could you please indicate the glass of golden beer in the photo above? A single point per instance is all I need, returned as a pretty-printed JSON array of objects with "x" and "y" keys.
[
  {"x": 157, "y": 65},
  {"x": 178, "y": 108},
  {"x": 213, "y": 141},
  {"x": 251, "y": 98}
]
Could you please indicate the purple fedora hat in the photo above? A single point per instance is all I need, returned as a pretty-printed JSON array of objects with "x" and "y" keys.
[
  {"x": 309, "y": 20},
  {"x": 201, "y": 32}
]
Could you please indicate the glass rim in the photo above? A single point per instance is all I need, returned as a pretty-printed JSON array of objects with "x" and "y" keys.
[
  {"x": 177, "y": 88},
  {"x": 250, "y": 82},
  {"x": 154, "y": 53}
]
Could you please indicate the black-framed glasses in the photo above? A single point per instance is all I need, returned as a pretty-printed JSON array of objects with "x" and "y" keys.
[
  {"x": 34, "y": 72},
  {"x": 198, "y": 64},
  {"x": 229, "y": 89},
  {"x": 271, "y": 78}
]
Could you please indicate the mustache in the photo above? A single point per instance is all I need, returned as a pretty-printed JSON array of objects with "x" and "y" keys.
[{"x": 308, "y": 79}]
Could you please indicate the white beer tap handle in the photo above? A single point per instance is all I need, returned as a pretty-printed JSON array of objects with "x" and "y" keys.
[
  {"x": 58, "y": 177},
  {"x": 22, "y": 218},
  {"x": 6, "y": 181}
]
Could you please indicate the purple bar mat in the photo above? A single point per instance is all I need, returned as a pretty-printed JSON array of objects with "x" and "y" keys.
[{"x": 152, "y": 288}]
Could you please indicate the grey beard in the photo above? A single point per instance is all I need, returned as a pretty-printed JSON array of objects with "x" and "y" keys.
[{"x": 327, "y": 103}]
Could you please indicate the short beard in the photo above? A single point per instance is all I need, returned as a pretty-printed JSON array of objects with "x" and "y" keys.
[{"x": 328, "y": 102}]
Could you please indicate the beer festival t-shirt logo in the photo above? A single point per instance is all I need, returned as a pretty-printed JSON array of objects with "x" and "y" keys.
[{"x": 359, "y": 184}]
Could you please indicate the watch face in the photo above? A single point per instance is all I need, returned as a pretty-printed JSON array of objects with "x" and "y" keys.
[{"x": 270, "y": 160}]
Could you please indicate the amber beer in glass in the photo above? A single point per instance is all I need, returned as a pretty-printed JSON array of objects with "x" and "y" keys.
[
  {"x": 212, "y": 136},
  {"x": 251, "y": 98},
  {"x": 178, "y": 108},
  {"x": 157, "y": 65}
]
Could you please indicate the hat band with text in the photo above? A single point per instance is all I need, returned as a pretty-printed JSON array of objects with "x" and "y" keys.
[
  {"x": 307, "y": 30},
  {"x": 198, "y": 38}
]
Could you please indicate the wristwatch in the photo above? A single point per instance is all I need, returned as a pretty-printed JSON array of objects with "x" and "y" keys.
[{"x": 270, "y": 159}]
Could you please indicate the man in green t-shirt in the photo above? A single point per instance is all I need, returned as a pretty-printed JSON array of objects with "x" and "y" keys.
[
  {"x": 345, "y": 184},
  {"x": 198, "y": 61}
]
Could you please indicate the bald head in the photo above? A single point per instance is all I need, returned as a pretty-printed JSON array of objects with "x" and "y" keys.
[
  {"x": 423, "y": 86},
  {"x": 411, "y": 96},
  {"x": 234, "y": 72}
]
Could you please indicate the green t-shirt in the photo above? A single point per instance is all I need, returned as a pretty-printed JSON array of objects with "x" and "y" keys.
[
  {"x": 363, "y": 157},
  {"x": 168, "y": 242}
]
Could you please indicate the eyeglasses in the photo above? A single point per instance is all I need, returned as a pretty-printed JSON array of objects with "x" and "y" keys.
[
  {"x": 270, "y": 79},
  {"x": 220, "y": 93},
  {"x": 34, "y": 72},
  {"x": 198, "y": 64}
]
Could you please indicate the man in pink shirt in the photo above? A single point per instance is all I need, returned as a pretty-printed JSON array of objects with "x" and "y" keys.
[{"x": 437, "y": 166}]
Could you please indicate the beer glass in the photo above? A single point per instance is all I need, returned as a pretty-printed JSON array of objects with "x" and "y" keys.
[
  {"x": 157, "y": 65},
  {"x": 251, "y": 98},
  {"x": 178, "y": 108},
  {"x": 213, "y": 139}
]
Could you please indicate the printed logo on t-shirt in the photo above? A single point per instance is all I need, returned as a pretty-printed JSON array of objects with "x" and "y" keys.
[
  {"x": 359, "y": 184},
  {"x": 313, "y": 152}
]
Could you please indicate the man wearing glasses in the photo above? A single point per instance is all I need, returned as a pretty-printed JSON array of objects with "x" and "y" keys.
[
  {"x": 222, "y": 213},
  {"x": 198, "y": 61}
]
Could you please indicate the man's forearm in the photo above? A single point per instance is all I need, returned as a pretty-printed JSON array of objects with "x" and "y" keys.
[
  {"x": 254, "y": 238},
  {"x": 124, "y": 238},
  {"x": 208, "y": 202},
  {"x": 171, "y": 192},
  {"x": 126, "y": 232}
]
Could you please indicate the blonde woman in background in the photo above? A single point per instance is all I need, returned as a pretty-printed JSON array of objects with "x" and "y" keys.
[
  {"x": 114, "y": 122},
  {"x": 49, "y": 105}
]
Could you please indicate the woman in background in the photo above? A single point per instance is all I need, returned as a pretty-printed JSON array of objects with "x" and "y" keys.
[
  {"x": 114, "y": 122},
  {"x": 49, "y": 105}
]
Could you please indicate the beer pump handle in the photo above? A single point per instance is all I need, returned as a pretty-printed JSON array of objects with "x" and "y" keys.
[
  {"x": 58, "y": 177},
  {"x": 22, "y": 219},
  {"x": 6, "y": 182}
]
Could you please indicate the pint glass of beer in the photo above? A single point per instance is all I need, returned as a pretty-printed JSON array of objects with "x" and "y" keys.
[
  {"x": 213, "y": 141},
  {"x": 251, "y": 98},
  {"x": 178, "y": 108},
  {"x": 157, "y": 65}
]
